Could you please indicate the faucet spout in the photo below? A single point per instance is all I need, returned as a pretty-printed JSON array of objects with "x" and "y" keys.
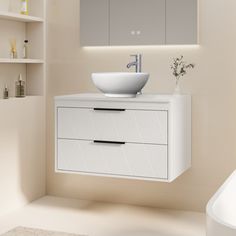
[
  {"x": 131, "y": 64},
  {"x": 137, "y": 63}
]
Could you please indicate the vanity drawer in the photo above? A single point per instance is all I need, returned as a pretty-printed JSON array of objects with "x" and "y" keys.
[
  {"x": 134, "y": 126},
  {"x": 134, "y": 160}
]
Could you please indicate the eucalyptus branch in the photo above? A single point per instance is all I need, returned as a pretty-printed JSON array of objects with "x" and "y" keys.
[{"x": 180, "y": 67}]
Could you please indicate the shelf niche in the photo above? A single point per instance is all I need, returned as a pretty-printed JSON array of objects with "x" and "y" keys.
[{"x": 21, "y": 27}]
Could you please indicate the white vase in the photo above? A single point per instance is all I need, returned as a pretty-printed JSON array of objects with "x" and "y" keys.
[
  {"x": 4, "y": 5},
  {"x": 177, "y": 88}
]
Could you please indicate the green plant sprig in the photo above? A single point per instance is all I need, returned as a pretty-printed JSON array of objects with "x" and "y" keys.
[{"x": 180, "y": 67}]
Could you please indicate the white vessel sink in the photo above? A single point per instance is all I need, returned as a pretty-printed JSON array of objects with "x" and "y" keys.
[{"x": 120, "y": 84}]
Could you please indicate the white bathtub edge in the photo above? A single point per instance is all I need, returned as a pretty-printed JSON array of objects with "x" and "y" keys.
[{"x": 211, "y": 202}]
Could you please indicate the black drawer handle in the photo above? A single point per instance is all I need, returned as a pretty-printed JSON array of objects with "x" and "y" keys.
[
  {"x": 109, "y": 142},
  {"x": 107, "y": 109}
]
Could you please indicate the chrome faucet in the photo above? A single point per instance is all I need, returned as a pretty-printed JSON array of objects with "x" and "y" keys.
[{"x": 137, "y": 63}]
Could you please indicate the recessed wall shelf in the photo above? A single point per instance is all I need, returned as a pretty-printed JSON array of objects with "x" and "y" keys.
[
  {"x": 18, "y": 17},
  {"x": 25, "y": 116},
  {"x": 22, "y": 121},
  {"x": 21, "y": 61},
  {"x": 23, "y": 99},
  {"x": 18, "y": 27}
]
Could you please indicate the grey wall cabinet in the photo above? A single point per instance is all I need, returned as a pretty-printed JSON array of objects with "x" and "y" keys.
[
  {"x": 138, "y": 22},
  {"x": 94, "y": 19},
  {"x": 181, "y": 21}
]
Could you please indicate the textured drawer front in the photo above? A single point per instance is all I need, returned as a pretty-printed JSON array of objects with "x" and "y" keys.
[
  {"x": 138, "y": 160},
  {"x": 135, "y": 126}
]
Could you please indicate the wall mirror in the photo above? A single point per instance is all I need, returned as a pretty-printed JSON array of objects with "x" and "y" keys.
[{"x": 138, "y": 22}]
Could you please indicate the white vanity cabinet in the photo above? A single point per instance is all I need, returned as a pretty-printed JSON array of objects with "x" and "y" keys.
[{"x": 147, "y": 137}]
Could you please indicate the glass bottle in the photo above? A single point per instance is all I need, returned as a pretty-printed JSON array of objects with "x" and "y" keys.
[
  {"x": 13, "y": 51},
  {"x": 24, "y": 7},
  {"x": 25, "y": 49},
  {"x": 20, "y": 87},
  {"x": 6, "y": 92}
]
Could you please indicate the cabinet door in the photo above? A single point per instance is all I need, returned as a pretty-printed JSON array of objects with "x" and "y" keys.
[
  {"x": 94, "y": 22},
  {"x": 137, "y": 22},
  {"x": 134, "y": 160},
  {"x": 181, "y": 21},
  {"x": 136, "y": 126}
]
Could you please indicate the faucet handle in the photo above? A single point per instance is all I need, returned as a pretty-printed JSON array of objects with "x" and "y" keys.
[{"x": 136, "y": 55}]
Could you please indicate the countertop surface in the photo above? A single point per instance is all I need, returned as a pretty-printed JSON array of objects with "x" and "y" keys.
[{"x": 138, "y": 98}]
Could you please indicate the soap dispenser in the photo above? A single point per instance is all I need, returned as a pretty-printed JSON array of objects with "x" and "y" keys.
[{"x": 20, "y": 87}]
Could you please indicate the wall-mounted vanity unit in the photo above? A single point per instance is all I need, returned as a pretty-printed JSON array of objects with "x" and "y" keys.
[
  {"x": 138, "y": 22},
  {"x": 147, "y": 137}
]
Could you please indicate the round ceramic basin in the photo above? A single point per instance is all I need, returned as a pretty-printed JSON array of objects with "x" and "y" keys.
[{"x": 120, "y": 84}]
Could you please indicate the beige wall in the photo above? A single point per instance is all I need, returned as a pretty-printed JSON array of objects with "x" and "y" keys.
[
  {"x": 22, "y": 152},
  {"x": 22, "y": 121},
  {"x": 212, "y": 84}
]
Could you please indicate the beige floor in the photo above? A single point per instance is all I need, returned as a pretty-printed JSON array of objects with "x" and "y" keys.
[
  {"x": 97, "y": 219},
  {"x": 22, "y": 231}
]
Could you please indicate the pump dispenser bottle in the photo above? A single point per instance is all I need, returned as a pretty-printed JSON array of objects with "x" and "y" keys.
[{"x": 20, "y": 87}]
